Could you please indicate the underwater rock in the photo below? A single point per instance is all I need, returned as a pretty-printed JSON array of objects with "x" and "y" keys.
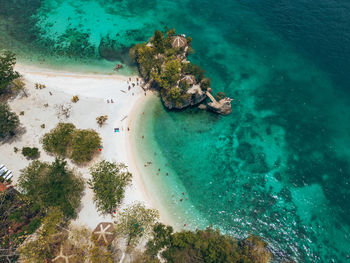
[{"x": 109, "y": 49}]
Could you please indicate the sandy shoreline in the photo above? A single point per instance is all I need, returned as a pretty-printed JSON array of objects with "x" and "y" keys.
[{"x": 93, "y": 90}]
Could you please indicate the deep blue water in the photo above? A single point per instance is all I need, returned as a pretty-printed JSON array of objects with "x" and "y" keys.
[{"x": 278, "y": 166}]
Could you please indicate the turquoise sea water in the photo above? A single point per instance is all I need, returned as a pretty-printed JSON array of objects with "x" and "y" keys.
[{"x": 278, "y": 166}]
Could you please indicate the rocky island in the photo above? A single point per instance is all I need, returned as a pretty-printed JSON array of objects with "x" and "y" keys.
[{"x": 163, "y": 64}]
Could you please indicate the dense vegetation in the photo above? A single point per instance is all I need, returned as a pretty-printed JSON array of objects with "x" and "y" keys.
[
  {"x": 7, "y": 73},
  {"x": 164, "y": 66},
  {"x": 78, "y": 243},
  {"x": 67, "y": 141},
  {"x": 52, "y": 185},
  {"x": 108, "y": 183},
  {"x": 47, "y": 240},
  {"x": 9, "y": 121},
  {"x": 31, "y": 153},
  {"x": 205, "y": 246},
  {"x": 19, "y": 217},
  {"x": 136, "y": 222}
]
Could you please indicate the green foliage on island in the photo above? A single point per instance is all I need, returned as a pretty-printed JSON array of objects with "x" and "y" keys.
[
  {"x": 9, "y": 121},
  {"x": 44, "y": 245},
  {"x": 84, "y": 145},
  {"x": 108, "y": 183},
  {"x": 164, "y": 65},
  {"x": 52, "y": 185},
  {"x": 220, "y": 95},
  {"x": 7, "y": 72},
  {"x": 136, "y": 222},
  {"x": 67, "y": 141},
  {"x": 19, "y": 218},
  {"x": 205, "y": 246},
  {"x": 31, "y": 153}
]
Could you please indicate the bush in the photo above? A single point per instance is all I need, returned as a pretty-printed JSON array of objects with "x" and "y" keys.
[
  {"x": 75, "y": 99},
  {"x": 220, "y": 96},
  {"x": 205, "y": 84},
  {"x": 67, "y": 141},
  {"x": 16, "y": 216},
  {"x": 193, "y": 69},
  {"x": 84, "y": 144},
  {"x": 101, "y": 119},
  {"x": 58, "y": 139},
  {"x": 32, "y": 226},
  {"x": 31, "y": 153},
  {"x": 9, "y": 121}
]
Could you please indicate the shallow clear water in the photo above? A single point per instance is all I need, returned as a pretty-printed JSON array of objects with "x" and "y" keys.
[{"x": 278, "y": 166}]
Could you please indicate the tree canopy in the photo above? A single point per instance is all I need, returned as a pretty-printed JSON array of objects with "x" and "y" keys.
[
  {"x": 9, "y": 121},
  {"x": 67, "y": 141},
  {"x": 52, "y": 185},
  {"x": 59, "y": 139},
  {"x": 7, "y": 73},
  {"x": 205, "y": 246},
  {"x": 84, "y": 144},
  {"x": 108, "y": 183},
  {"x": 43, "y": 247},
  {"x": 135, "y": 222}
]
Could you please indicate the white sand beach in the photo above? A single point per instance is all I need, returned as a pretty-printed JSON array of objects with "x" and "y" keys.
[{"x": 94, "y": 90}]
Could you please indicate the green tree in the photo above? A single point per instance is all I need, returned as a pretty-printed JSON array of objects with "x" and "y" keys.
[
  {"x": 52, "y": 185},
  {"x": 135, "y": 222},
  {"x": 174, "y": 94},
  {"x": 42, "y": 248},
  {"x": 171, "y": 74},
  {"x": 144, "y": 56},
  {"x": 201, "y": 246},
  {"x": 108, "y": 183},
  {"x": 67, "y": 141},
  {"x": 220, "y": 95},
  {"x": 58, "y": 139},
  {"x": 205, "y": 84},
  {"x": 9, "y": 121},
  {"x": 84, "y": 144},
  {"x": 158, "y": 42},
  {"x": 193, "y": 69},
  {"x": 161, "y": 238},
  {"x": 31, "y": 153},
  {"x": 7, "y": 73}
]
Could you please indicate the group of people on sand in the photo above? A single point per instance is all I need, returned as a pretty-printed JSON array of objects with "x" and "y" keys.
[{"x": 133, "y": 84}]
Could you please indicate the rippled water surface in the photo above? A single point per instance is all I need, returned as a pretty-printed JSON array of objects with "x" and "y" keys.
[{"x": 278, "y": 166}]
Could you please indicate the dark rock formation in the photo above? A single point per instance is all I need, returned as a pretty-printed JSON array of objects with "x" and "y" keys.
[{"x": 109, "y": 49}]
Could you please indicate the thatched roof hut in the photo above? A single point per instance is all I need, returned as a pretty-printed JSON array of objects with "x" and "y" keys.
[
  {"x": 65, "y": 253},
  {"x": 104, "y": 233},
  {"x": 178, "y": 41}
]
